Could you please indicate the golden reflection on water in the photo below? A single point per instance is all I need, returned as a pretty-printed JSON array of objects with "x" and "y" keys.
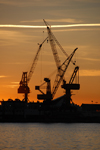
[{"x": 33, "y": 136}]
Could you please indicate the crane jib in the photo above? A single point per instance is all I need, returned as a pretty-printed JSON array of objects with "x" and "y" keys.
[
  {"x": 35, "y": 61},
  {"x": 59, "y": 77}
]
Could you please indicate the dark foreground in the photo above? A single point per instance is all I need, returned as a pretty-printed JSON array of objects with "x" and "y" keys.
[
  {"x": 18, "y": 111},
  {"x": 47, "y": 117}
]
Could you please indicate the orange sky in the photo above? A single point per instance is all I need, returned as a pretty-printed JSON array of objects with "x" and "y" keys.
[{"x": 18, "y": 46}]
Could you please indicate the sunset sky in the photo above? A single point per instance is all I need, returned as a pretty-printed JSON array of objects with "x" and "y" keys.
[{"x": 75, "y": 23}]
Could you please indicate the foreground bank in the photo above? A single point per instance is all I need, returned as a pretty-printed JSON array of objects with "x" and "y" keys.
[{"x": 55, "y": 111}]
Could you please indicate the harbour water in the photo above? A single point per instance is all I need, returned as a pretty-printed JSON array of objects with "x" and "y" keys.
[{"x": 54, "y": 136}]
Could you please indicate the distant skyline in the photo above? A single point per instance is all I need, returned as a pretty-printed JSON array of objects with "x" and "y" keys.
[{"x": 75, "y": 23}]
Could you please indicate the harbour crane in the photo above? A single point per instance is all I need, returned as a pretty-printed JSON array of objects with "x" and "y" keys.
[
  {"x": 59, "y": 77},
  {"x": 71, "y": 86},
  {"x": 23, "y": 88},
  {"x": 61, "y": 68}
]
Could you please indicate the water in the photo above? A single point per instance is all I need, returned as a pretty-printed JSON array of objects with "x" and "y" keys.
[{"x": 56, "y": 136}]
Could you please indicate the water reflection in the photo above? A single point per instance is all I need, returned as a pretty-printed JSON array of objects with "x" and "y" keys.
[{"x": 33, "y": 136}]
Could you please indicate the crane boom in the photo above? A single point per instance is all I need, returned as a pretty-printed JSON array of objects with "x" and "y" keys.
[
  {"x": 63, "y": 69},
  {"x": 53, "y": 46},
  {"x": 34, "y": 62},
  {"x": 55, "y": 40},
  {"x": 73, "y": 75},
  {"x": 59, "y": 77},
  {"x": 61, "y": 48}
]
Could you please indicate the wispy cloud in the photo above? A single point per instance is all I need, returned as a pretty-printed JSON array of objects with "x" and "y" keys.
[
  {"x": 75, "y": 25},
  {"x": 12, "y": 85},
  {"x": 20, "y": 26},
  {"x": 52, "y": 26},
  {"x": 15, "y": 83},
  {"x": 68, "y": 20},
  {"x": 16, "y": 36},
  {"x": 21, "y": 3},
  {"x": 3, "y": 76},
  {"x": 89, "y": 73},
  {"x": 41, "y": 3},
  {"x": 90, "y": 59},
  {"x": 24, "y": 3},
  {"x": 73, "y": 29}
]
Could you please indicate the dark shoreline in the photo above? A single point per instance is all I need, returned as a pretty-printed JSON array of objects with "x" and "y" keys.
[{"x": 44, "y": 119}]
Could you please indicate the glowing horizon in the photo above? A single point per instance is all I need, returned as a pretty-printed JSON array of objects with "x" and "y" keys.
[{"x": 53, "y": 26}]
